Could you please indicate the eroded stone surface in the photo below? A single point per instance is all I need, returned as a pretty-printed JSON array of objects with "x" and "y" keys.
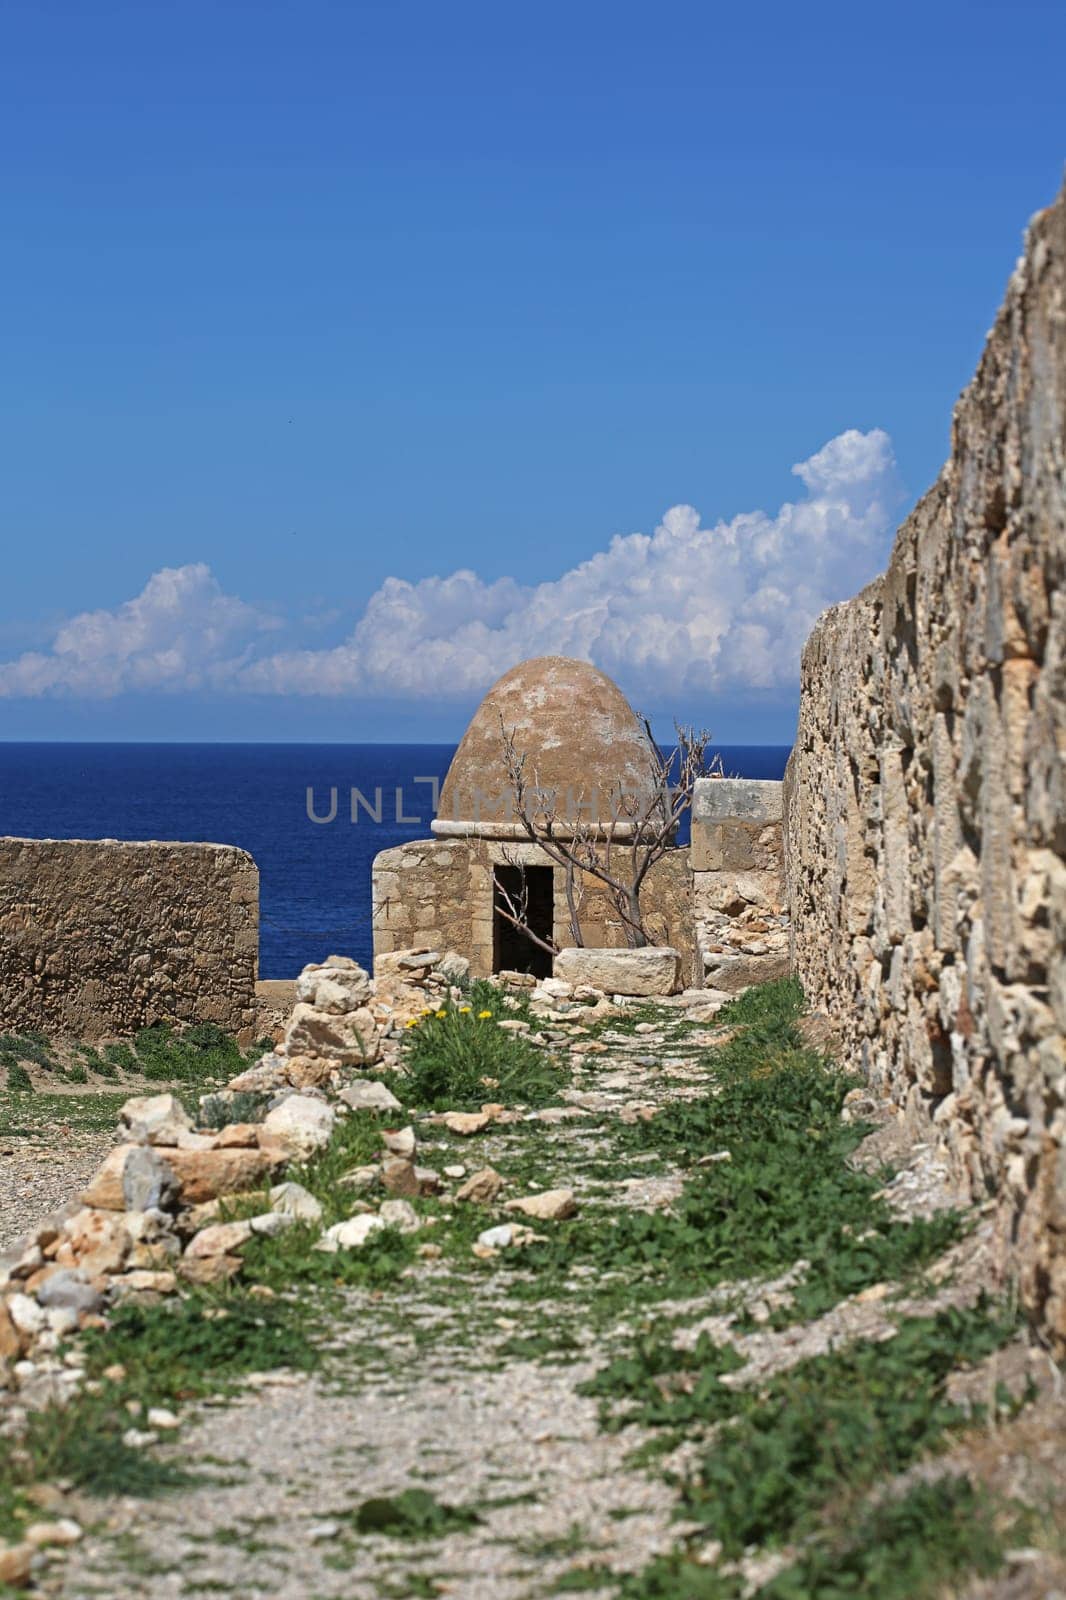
[
  {"x": 650, "y": 971},
  {"x": 92, "y": 950},
  {"x": 926, "y": 795}
]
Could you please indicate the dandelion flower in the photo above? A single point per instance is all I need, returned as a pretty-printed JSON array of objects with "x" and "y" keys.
[
  {"x": 464, "y": 1011},
  {"x": 482, "y": 1015},
  {"x": 442, "y": 1013}
]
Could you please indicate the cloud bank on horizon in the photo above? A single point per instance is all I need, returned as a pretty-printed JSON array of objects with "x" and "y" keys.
[{"x": 688, "y": 609}]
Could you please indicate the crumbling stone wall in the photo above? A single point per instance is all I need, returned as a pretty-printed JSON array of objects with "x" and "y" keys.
[
  {"x": 738, "y": 881},
  {"x": 99, "y": 938},
  {"x": 926, "y": 795}
]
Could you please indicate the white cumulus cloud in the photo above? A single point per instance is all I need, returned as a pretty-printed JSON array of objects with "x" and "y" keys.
[
  {"x": 180, "y": 632},
  {"x": 689, "y": 610}
]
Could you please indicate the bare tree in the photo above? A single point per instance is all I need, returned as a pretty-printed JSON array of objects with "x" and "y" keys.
[
  {"x": 514, "y": 908},
  {"x": 617, "y": 850}
]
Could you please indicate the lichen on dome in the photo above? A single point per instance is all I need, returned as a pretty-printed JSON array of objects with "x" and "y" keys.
[{"x": 581, "y": 738}]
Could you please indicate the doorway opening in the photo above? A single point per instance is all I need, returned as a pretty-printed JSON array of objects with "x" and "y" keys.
[{"x": 531, "y": 889}]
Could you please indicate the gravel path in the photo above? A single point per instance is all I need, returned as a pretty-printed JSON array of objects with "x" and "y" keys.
[
  {"x": 41, "y": 1173},
  {"x": 515, "y": 1442},
  {"x": 422, "y": 1391}
]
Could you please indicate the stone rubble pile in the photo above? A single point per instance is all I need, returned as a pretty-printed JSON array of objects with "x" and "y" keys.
[{"x": 747, "y": 942}]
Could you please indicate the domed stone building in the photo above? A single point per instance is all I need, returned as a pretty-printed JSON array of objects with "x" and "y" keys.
[{"x": 583, "y": 747}]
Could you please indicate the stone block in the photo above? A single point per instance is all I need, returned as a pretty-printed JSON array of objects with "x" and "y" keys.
[
  {"x": 654, "y": 970},
  {"x": 749, "y": 800}
]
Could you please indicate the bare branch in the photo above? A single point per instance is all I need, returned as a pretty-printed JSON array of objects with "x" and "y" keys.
[{"x": 621, "y": 851}]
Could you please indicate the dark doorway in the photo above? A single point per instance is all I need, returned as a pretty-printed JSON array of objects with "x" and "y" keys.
[{"x": 531, "y": 889}]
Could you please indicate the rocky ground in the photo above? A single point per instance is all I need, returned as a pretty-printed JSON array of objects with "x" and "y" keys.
[
  {"x": 532, "y": 1401},
  {"x": 42, "y": 1163}
]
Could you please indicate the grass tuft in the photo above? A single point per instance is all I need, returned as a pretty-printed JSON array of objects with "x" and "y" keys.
[{"x": 458, "y": 1057}]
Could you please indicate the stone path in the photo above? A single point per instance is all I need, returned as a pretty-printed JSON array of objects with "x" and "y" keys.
[{"x": 431, "y": 1390}]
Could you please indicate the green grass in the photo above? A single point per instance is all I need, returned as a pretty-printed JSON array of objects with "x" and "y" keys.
[
  {"x": 904, "y": 1549},
  {"x": 29, "y": 1116},
  {"x": 457, "y": 1057},
  {"x": 792, "y": 1459},
  {"x": 194, "y": 1056},
  {"x": 412, "y": 1514},
  {"x": 201, "y": 1344},
  {"x": 191, "y": 1061},
  {"x": 907, "y": 1548},
  {"x": 159, "y": 1054},
  {"x": 82, "y": 1443},
  {"x": 18, "y": 1079},
  {"x": 290, "y": 1259},
  {"x": 831, "y": 1425},
  {"x": 661, "y": 1386},
  {"x": 246, "y": 1105},
  {"x": 786, "y": 1193},
  {"x": 28, "y": 1047}
]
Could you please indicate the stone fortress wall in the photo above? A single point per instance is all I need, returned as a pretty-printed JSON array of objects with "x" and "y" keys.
[
  {"x": 926, "y": 796},
  {"x": 99, "y": 937}
]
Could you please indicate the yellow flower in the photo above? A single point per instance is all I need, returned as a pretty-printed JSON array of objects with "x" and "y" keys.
[
  {"x": 442, "y": 1013},
  {"x": 428, "y": 1012},
  {"x": 412, "y": 1022},
  {"x": 481, "y": 1016},
  {"x": 464, "y": 1011}
]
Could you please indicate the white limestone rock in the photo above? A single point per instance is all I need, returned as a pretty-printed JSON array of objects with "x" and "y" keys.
[
  {"x": 350, "y": 1235},
  {"x": 552, "y": 1205},
  {"x": 350, "y": 1040},
  {"x": 367, "y": 1095},
  {"x": 300, "y": 1124},
  {"x": 336, "y": 986},
  {"x": 654, "y": 970},
  {"x": 155, "y": 1119},
  {"x": 293, "y": 1200}
]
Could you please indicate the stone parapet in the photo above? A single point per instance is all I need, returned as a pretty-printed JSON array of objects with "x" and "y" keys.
[{"x": 101, "y": 937}]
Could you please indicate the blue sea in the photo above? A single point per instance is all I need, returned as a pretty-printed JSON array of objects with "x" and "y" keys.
[{"x": 314, "y": 875}]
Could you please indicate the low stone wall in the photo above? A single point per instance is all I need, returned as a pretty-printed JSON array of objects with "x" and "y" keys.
[
  {"x": 926, "y": 795},
  {"x": 99, "y": 938},
  {"x": 738, "y": 881}
]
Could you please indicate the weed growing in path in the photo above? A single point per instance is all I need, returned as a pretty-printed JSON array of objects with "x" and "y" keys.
[
  {"x": 200, "y": 1344},
  {"x": 833, "y": 1423},
  {"x": 906, "y": 1548},
  {"x": 412, "y": 1514},
  {"x": 459, "y": 1056}
]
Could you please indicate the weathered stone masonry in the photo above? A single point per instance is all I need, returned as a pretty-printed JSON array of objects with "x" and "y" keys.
[
  {"x": 926, "y": 795},
  {"x": 99, "y": 937},
  {"x": 738, "y": 881}
]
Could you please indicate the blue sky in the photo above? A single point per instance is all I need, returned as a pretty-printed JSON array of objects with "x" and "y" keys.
[{"x": 308, "y": 305}]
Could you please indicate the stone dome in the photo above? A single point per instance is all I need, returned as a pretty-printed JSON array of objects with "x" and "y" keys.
[{"x": 576, "y": 728}]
